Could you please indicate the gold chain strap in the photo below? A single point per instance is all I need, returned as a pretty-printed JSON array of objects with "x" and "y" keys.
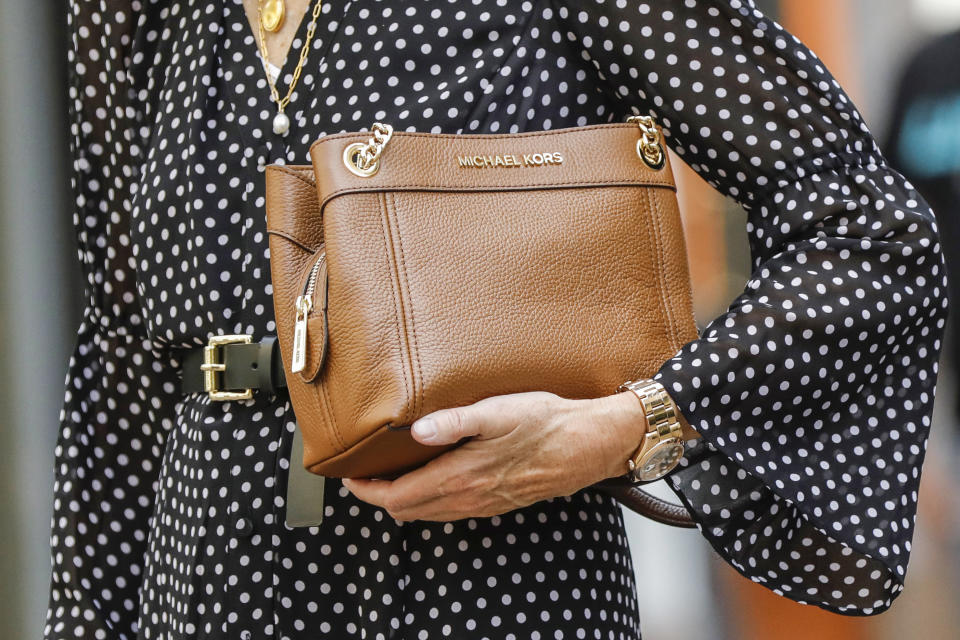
[
  {"x": 311, "y": 28},
  {"x": 650, "y": 145},
  {"x": 364, "y": 159}
]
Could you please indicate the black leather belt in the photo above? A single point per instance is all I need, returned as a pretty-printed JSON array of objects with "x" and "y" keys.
[{"x": 231, "y": 367}]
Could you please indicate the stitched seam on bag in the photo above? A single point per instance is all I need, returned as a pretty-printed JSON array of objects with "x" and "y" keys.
[
  {"x": 483, "y": 136},
  {"x": 370, "y": 437},
  {"x": 661, "y": 270},
  {"x": 409, "y": 329},
  {"x": 408, "y": 308},
  {"x": 287, "y": 236},
  {"x": 300, "y": 173},
  {"x": 327, "y": 405},
  {"x": 688, "y": 297},
  {"x": 391, "y": 263},
  {"x": 658, "y": 264},
  {"x": 419, "y": 186}
]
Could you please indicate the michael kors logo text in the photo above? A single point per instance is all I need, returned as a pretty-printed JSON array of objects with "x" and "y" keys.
[{"x": 509, "y": 160}]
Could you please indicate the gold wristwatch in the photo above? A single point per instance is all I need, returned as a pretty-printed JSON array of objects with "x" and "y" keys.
[{"x": 662, "y": 445}]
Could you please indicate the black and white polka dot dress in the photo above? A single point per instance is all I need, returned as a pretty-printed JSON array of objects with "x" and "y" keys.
[{"x": 813, "y": 392}]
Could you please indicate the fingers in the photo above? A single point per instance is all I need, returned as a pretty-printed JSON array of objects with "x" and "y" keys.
[
  {"x": 473, "y": 479},
  {"x": 370, "y": 490},
  {"x": 434, "y": 481},
  {"x": 485, "y": 418}
]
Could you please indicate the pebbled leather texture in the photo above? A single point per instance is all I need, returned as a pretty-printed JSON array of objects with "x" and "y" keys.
[{"x": 449, "y": 284}]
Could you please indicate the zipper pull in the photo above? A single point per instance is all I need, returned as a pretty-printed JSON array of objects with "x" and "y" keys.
[
  {"x": 303, "y": 304},
  {"x": 316, "y": 325}
]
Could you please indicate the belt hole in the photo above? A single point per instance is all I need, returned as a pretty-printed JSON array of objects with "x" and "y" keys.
[{"x": 253, "y": 365}]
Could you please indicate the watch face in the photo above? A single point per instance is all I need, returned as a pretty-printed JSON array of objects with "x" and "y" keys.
[{"x": 660, "y": 460}]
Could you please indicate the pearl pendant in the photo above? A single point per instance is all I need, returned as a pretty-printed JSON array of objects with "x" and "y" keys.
[{"x": 281, "y": 123}]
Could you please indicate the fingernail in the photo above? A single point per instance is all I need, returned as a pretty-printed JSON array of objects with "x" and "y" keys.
[{"x": 425, "y": 428}]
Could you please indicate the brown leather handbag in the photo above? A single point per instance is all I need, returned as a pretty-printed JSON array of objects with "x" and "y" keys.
[{"x": 414, "y": 272}]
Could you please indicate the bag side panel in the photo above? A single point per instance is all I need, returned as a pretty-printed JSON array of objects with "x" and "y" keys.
[
  {"x": 290, "y": 194},
  {"x": 676, "y": 266}
]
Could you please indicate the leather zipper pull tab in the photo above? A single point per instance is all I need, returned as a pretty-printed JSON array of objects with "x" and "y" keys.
[
  {"x": 299, "y": 361},
  {"x": 304, "y": 304},
  {"x": 316, "y": 325}
]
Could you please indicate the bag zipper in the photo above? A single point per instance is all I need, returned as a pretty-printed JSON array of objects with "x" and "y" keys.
[{"x": 304, "y": 305}]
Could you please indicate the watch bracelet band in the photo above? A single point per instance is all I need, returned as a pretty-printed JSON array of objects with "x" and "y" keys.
[{"x": 661, "y": 414}]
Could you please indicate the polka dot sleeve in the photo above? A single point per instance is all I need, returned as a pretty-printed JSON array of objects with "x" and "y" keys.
[
  {"x": 814, "y": 391},
  {"x": 119, "y": 399}
]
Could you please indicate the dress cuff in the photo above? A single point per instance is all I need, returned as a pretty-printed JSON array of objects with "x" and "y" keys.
[{"x": 813, "y": 392}]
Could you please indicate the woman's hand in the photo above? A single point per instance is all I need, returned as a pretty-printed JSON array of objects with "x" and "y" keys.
[{"x": 523, "y": 447}]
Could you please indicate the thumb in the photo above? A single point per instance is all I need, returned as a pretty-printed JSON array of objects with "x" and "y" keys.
[
  {"x": 446, "y": 426},
  {"x": 487, "y": 418}
]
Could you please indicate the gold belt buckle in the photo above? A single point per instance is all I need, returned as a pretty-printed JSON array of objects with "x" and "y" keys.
[{"x": 212, "y": 366}]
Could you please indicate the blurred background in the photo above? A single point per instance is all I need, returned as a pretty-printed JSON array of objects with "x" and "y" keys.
[{"x": 899, "y": 60}]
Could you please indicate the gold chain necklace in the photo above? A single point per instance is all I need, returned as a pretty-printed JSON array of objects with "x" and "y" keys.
[{"x": 281, "y": 122}]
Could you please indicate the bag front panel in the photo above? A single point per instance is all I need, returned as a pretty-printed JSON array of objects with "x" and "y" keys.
[
  {"x": 557, "y": 290},
  {"x": 367, "y": 377}
]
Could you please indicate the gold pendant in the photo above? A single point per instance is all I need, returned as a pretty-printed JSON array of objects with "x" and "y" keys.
[{"x": 271, "y": 17}]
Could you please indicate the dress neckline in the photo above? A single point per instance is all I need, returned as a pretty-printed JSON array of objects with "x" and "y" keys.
[
  {"x": 299, "y": 37},
  {"x": 243, "y": 57}
]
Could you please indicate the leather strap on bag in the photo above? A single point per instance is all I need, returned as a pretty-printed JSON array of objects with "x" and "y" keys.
[{"x": 646, "y": 504}]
